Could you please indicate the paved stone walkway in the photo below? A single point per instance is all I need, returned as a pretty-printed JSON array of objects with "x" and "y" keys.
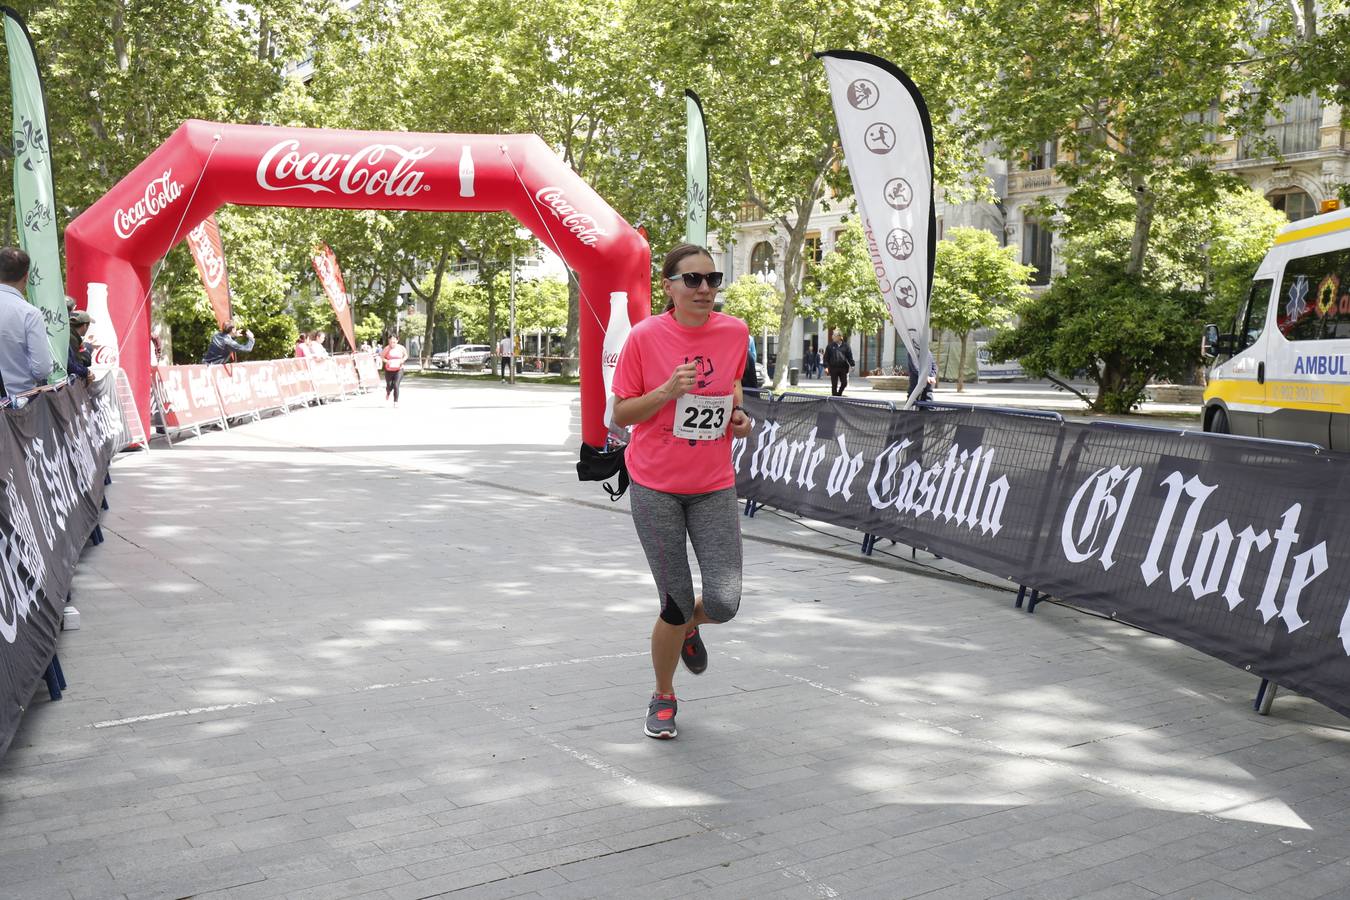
[{"x": 358, "y": 651}]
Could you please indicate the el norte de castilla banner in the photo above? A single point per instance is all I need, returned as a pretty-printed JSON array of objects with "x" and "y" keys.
[
  {"x": 1238, "y": 548},
  {"x": 54, "y": 454}
]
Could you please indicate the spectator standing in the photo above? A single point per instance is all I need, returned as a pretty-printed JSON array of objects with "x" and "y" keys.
[
  {"x": 300, "y": 350},
  {"x": 315, "y": 346},
  {"x": 223, "y": 345},
  {"x": 838, "y": 360},
  {"x": 750, "y": 378},
  {"x": 25, "y": 354},
  {"x": 79, "y": 359},
  {"x": 504, "y": 353}
]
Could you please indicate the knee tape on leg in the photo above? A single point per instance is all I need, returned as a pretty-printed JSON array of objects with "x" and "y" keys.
[{"x": 670, "y": 612}]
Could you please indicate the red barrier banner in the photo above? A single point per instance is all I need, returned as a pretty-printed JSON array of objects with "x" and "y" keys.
[
  {"x": 368, "y": 370},
  {"x": 294, "y": 381},
  {"x": 236, "y": 396},
  {"x": 324, "y": 371},
  {"x": 264, "y": 385},
  {"x": 188, "y": 396},
  {"x": 347, "y": 376}
]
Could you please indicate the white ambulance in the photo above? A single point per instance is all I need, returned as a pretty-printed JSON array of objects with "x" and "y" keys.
[{"x": 1284, "y": 371}]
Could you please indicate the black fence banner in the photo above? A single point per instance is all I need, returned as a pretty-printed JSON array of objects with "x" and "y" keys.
[
  {"x": 54, "y": 456},
  {"x": 1239, "y": 548}
]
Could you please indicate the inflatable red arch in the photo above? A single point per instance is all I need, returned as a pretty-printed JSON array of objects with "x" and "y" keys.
[{"x": 204, "y": 165}]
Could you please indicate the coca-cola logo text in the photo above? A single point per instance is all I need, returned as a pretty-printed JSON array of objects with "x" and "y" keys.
[
  {"x": 158, "y": 194},
  {"x": 212, "y": 264},
  {"x": 367, "y": 171},
  {"x": 581, "y": 224}
]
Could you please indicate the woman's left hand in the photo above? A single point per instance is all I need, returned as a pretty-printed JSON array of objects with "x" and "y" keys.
[{"x": 741, "y": 423}]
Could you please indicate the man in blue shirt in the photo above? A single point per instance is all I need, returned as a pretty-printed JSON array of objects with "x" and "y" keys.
[
  {"x": 223, "y": 345},
  {"x": 25, "y": 354}
]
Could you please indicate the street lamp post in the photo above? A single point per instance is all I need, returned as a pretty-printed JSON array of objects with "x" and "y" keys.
[
  {"x": 521, "y": 234},
  {"x": 511, "y": 322}
]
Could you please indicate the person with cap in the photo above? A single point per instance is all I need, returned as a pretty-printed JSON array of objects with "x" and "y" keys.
[
  {"x": 79, "y": 359},
  {"x": 223, "y": 345}
]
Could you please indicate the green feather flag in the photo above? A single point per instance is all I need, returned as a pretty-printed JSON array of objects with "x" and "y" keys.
[
  {"x": 696, "y": 172},
  {"x": 34, "y": 198}
]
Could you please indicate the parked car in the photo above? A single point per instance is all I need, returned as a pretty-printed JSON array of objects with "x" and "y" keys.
[{"x": 463, "y": 356}]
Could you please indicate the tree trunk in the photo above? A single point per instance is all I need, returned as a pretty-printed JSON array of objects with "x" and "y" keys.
[
  {"x": 120, "y": 37},
  {"x": 492, "y": 313},
  {"x": 961, "y": 366},
  {"x": 792, "y": 259},
  {"x": 429, "y": 340},
  {"x": 1108, "y": 380},
  {"x": 1143, "y": 224},
  {"x": 431, "y": 305},
  {"x": 264, "y": 37}
]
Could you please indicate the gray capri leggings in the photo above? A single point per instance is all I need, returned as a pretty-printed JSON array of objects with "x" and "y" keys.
[{"x": 712, "y": 523}]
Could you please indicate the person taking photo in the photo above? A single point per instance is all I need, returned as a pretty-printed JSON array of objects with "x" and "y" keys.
[{"x": 223, "y": 346}]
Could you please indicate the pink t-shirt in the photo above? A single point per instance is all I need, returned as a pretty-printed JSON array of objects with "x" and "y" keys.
[
  {"x": 394, "y": 357},
  {"x": 656, "y": 458}
]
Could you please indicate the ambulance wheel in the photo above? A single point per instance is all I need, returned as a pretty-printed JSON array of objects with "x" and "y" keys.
[{"x": 1218, "y": 423}]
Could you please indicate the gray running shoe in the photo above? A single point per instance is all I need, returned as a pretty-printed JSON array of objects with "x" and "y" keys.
[
  {"x": 694, "y": 653},
  {"x": 661, "y": 717}
]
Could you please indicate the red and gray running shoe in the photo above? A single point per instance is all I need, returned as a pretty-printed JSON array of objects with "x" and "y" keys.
[
  {"x": 661, "y": 717},
  {"x": 694, "y": 653}
]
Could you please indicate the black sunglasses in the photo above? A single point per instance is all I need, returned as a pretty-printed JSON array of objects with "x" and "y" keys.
[{"x": 693, "y": 279}]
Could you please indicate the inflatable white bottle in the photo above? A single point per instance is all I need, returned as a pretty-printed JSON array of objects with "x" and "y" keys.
[
  {"x": 466, "y": 173},
  {"x": 616, "y": 332},
  {"x": 101, "y": 334}
]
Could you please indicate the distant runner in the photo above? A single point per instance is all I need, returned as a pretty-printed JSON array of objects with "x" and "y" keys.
[{"x": 392, "y": 357}]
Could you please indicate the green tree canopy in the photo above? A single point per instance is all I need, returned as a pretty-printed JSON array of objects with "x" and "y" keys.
[
  {"x": 976, "y": 284},
  {"x": 847, "y": 298},
  {"x": 541, "y": 305},
  {"x": 1120, "y": 329},
  {"x": 753, "y": 302},
  {"x": 1132, "y": 92}
]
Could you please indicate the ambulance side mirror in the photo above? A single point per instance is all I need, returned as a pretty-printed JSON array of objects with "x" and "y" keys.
[
  {"x": 1214, "y": 344},
  {"x": 1210, "y": 342}
]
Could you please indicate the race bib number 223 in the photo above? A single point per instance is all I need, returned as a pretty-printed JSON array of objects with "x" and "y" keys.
[{"x": 700, "y": 418}]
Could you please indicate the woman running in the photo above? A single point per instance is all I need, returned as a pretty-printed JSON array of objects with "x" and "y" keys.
[
  {"x": 678, "y": 383},
  {"x": 393, "y": 356}
]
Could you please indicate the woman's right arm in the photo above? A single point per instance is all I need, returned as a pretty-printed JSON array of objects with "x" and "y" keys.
[{"x": 632, "y": 410}]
